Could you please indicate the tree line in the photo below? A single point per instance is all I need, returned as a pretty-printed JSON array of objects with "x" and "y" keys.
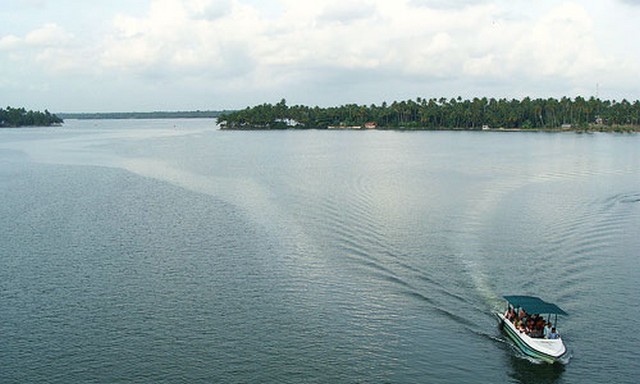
[
  {"x": 20, "y": 117},
  {"x": 454, "y": 113},
  {"x": 142, "y": 115}
]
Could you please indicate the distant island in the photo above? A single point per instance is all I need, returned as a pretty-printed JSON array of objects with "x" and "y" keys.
[
  {"x": 143, "y": 115},
  {"x": 578, "y": 114},
  {"x": 20, "y": 117}
]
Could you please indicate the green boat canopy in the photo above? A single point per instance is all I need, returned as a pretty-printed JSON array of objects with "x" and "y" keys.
[{"x": 533, "y": 304}]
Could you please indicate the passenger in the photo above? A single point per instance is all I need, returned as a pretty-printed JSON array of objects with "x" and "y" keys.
[
  {"x": 537, "y": 333},
  {"x": 553, "y": 334},
  {"x": 532, "y": 328},
  {"x": 547, "y": 329},
  {"x": 522, "y": 314},
  {"x": 540, "y": 327},
  {"x": 528, "y": 328}
]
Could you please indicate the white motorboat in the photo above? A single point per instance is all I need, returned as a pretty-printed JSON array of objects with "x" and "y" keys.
[{"x": 518, "y": 323}]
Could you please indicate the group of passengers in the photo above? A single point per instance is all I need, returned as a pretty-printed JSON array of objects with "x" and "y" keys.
[{"x": 533, "y": 325}]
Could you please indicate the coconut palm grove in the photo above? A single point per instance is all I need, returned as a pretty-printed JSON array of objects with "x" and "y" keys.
[
  {"x": 455, "y": 113},
  {"x": 20, "y": 117}
]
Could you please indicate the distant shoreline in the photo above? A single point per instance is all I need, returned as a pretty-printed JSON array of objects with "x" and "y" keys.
[
  {"x": 478, "y": 114},
  {"x": 593, "y": 129},
  {"x": 21, "y": 118},
  {"x": 143, "y": 115}
]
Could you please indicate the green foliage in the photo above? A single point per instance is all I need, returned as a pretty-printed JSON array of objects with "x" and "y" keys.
[
  {"x": 20, "y": 117},
  {"x": 142, "y": 115},
  {"x": 455, "y": 113}
]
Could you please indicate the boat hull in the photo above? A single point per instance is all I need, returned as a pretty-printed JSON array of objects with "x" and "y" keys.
[{"x": 546, "y": 350}]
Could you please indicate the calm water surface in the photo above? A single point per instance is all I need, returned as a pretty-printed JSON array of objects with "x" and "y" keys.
[{"x": 169, "y": 251}]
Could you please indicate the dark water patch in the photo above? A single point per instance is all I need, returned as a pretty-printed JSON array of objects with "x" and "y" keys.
[
  {"x": 622, "y": 198},
  {"x": 525, "y": 371},
  {"x": 119, "y": 274}
]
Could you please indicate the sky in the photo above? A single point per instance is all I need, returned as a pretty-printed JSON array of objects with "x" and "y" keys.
[{"x": 170, "y": 55}]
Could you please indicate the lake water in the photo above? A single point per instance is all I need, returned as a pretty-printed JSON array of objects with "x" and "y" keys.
[{"x": 169, "y": 251}]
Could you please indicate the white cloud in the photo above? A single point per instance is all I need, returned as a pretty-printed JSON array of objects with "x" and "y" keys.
[
  {"x": 50, "y": 47},
  {"x": 240, "y": 46},
  {"x": 445, "y": 4},
  {"x": 232, "y": 48},
  {"x": 209, "y": 10},
  {"x": 561, "y": 43},
  {"x": 48, "y": 35},
  {"x": 217, "y": 39},
  {"x": 347, "y": 12},
  {"x": 9, "y": 42},
  {"x": 177, "y": 36}
]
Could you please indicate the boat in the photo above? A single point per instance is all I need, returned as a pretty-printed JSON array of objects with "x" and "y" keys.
[{"x": 548, "y": 346}]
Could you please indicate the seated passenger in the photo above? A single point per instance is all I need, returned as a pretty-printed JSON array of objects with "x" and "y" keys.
[
  {"x": 538, "y": 332},
  {"x": 547, "y": 329},
  {"x": 553, "y": 334},
  {"x": 522, "y": 314},
  {"x": 531, "y": 325},
  {"x": 540, "y": 327}
]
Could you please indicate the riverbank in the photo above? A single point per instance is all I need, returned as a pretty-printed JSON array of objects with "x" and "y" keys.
[
  {"x": 453, "y": 114},
  {"x": 592, "y": 129},
  {"x": 20, "y": 117},
  {"x": 143, "y": 115}
]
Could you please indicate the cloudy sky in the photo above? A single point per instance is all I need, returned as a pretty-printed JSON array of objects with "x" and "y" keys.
[{"x": 146, "y": 55}]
